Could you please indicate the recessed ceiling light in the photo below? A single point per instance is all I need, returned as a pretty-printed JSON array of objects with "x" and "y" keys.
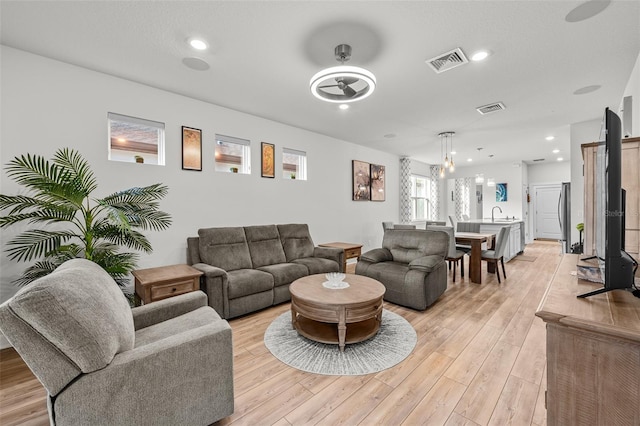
[
  {"x": 453, "y": 152},
  {"x": 198, "y": 44},
  {"x": 550, "y": 138},
  {"x": 555, "y": 151},
  {"x": 196, "y": 64},
  {"x": 343, "y": 106},
  {"x": 479, "y": 56},
  {"x": 469, "y": 159},
  {"x": 560, "y": 158}
]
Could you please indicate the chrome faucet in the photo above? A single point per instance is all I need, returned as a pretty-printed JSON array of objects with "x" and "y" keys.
[{"x": 492, "y": 210}]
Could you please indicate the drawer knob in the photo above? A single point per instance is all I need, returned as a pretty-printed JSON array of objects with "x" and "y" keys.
[{"x": 173, "y": 290}]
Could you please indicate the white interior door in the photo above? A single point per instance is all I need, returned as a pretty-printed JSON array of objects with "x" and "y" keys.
[{"x": 546, "y": 212}]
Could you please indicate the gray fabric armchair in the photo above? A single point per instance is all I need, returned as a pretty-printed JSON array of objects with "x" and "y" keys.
[
  {"x": 411, "y": 265},
  {"x": 101, "y": 362}
]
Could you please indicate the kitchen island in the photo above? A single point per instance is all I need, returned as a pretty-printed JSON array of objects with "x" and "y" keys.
[{"x": 515, "y": 245}]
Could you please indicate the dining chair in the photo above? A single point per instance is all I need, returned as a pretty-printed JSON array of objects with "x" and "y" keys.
[
  {"x": 453, "y": 255},
  {"x": 493, "y": 256},
  {"x": 452, "y": 220}
]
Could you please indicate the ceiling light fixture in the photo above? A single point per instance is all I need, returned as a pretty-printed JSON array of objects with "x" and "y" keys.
[
  {"x": 479, "y": 179},
  {"x": 446, "y": 139},
  {"x": 343, "y": 106},
  {"x": 550, "y": 138},
  {"x": 491, "y": 182},
  {"x": 479, "y": 56},
  {"x": 198, "y": 44},
  {"x": 560, "y": 158},
  {"x": 555, "y": 151},
  {"x": 343, "y": 83}
]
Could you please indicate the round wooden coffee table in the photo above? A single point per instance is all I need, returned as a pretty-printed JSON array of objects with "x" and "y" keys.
[{"x": 336, "y": 316}]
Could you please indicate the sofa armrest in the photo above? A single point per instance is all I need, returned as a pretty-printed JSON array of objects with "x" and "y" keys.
[
  {"x": 214, "y": 284},
  {"x": 377, "y": 255},
  {"x": 426, "y": 263},
  {"x": 196, "y": 365},
  {"x": 331, "y": 253},
  {"x": 162, "y": 310}
]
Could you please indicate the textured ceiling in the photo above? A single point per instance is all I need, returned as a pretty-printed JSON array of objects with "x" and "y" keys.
[{"x": 262, "y": 55}]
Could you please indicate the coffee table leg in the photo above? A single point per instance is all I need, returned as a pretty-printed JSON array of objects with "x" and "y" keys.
[
  {"x": 294, "y": 317},
  {"x": 342, "y": 329}
]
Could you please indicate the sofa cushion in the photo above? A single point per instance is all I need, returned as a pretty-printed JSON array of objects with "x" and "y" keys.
[
  {"x": 408, "y": 245},
  {"x": 296, "y": 241},
  {"x": 317, "y": 265},
  {"x": 225, "y": 248},
  {"x": 80, "y": 310},
  {"x": 264, "y": 245},
  {"x": 243, "y": 282},
  {"x": 285, "y": 273}
]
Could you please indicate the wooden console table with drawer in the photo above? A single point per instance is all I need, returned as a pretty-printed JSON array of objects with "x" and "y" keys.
[
  {"x": 593, "y": 352},
  {"x": 165, "y": 281}
]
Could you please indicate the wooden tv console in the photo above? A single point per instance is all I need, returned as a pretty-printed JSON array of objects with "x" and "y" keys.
[{"x": 593, "y": 352}]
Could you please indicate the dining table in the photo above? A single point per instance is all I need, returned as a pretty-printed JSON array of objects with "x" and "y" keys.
[{"x": 475, "y": 240}]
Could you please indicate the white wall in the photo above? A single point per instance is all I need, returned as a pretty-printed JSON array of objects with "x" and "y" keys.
[
  {"x": 47, "y": 105},
  {"x": 633, "y": 89},
  {"x": 509, "y": 173},
  {"x": 553, "y": 172}
]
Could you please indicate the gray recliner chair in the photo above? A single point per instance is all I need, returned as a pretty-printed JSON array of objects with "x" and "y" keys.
[
  {"x": 411, "y": 265},
  {"x": 101, "y": 362}
]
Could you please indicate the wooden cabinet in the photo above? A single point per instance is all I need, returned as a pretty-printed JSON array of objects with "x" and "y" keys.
[
  {"x": 166, "y": 281},
  {"x": 630, "y": 182},
  {"x": 593, "y": 352}
]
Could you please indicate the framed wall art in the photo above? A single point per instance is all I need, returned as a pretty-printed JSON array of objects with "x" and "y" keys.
[
  {"x": 361, "y": 189},
  {"x": 377, "y": 182},
  {"x": 268, "y": 160},
  {"x": 501, "y": 192},
  {"x": 191, "y": 149}
]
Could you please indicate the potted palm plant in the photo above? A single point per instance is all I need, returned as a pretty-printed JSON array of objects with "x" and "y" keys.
[{"x": 70, "y": 223}]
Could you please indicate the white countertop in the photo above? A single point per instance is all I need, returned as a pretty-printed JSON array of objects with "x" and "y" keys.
[{"x": 498, "y": 221}]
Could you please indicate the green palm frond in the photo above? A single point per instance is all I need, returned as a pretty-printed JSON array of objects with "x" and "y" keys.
[
  {"x": 137, "y": 195},
  {"x": 123, "y": 237},
  {"x": 37, "y": 270},
  {"x": 21, "y": 203},
  {"x": 49, "y": 182},
  {"x": 81, "y": 175},
  {"x": 36, "y": 243}
]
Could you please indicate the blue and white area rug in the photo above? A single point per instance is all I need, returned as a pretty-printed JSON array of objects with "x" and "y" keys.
[{"x": 393, "y": 343}]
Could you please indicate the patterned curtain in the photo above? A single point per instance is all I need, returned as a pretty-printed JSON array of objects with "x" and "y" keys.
[
  {"x": 405, "y": 190},
  {"x": 434, "y": 198},
  {"x": 462, "y": 197}
]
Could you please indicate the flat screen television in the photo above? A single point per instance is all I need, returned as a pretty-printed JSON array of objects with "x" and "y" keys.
[{"x": 618, "y": 268}]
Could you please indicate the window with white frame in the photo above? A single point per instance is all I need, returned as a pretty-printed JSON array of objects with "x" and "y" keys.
[
  {"x": 420, "y": 193},
  {"x": 135, "y": 140},
  {"x": 294, "y": 164},
  {"x": 233, "y": 155}
]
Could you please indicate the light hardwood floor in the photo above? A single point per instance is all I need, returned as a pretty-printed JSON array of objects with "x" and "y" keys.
[{"x": 480, "y": 359}]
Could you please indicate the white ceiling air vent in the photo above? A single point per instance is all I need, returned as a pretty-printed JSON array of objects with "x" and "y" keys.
[
  {"x": 447, "y": 61},
  {"x": 487, "y": 109}
]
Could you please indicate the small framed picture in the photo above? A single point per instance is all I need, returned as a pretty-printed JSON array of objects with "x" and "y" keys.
[
  {"x": 268, "y": 160},
  {"x": 377, "y": 182},
  {"x": 191, "y": 149},
  {"x": 361, "y": 189}
]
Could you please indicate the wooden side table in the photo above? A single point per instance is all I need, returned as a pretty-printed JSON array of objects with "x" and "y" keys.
[
  {"x": 351, "y": 251},
  {"x": 165, "y": 281}
]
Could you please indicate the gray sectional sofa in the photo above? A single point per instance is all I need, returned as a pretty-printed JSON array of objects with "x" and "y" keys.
[
  {"x": 411, "y": 265},
  {"x": 250, "y": 268}
]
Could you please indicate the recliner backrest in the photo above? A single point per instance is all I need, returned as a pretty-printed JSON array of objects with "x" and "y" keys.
[
  {"x": 296, "y": 241},
  {"x": 74, "y": 320},
  {"x": 452, "y": 239},
  {"x": 264, "y": 244},
  {"x": 407, "y": 245},
  {"x": 225, "y": 248}
]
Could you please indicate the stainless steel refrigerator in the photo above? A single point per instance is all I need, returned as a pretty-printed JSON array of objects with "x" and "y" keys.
[{"x": 564, "y": 216}]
